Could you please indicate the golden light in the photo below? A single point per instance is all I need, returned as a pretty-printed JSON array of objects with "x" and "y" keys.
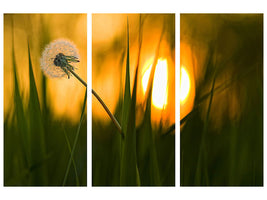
[
  {"x": 160, "y": 83},
  {"x": 187, "y": 80},
  {"x": 184, "y": 85}
]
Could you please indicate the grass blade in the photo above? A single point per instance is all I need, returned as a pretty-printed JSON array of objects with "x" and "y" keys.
[
  {"x": 73, "y": 162},
  {"x": 202, "y": 158},
  {"x": 37, "y": 138},
  {"x": 21, "y": 131},
  {"x": 149, "y": 171},
  {"x": 169, "y": 130},
  {"x": 76, "y": 140},
  {"x": 127, "y": 93},
  {"x": 147, "y": 156},
  {"x": 129, "y": 170},
  {"x": 218, "y": 89}
]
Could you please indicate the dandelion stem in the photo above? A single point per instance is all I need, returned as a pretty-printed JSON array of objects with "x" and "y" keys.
[
  {"x": 109, "y": 113},
  {"x": 100, "y": 100},
  {"x": 77, "y": 76}
]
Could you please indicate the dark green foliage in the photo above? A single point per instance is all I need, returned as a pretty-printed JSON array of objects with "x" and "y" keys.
[
  {"x": 36, "y": 134},
  {"x": 129, "y": 175},
  {"x": 75, "y": 143},
  {"x": 231, "y": 153},
  {"x": 129, "y": 169},
  {"x": 147, "y": 150},
  {"x": 127, "y": 89}
]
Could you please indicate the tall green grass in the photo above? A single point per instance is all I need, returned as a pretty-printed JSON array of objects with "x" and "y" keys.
[
  {"x": 75, "y": 143},
  {"x": 133, "y": 160},
  {"x": 38, "y": 148},
  {"x": 229, "y": 153}
]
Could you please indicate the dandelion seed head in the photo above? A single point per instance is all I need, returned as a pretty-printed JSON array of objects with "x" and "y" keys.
[{"x": 53, "y": 58}]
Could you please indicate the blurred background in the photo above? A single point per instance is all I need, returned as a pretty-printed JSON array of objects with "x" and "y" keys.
[
  {"x": 109, "y": 42},
  {"x": 221, "y": 99},
  {"x": 44, "y": 119},
  {"x": 108, "y": 55}
]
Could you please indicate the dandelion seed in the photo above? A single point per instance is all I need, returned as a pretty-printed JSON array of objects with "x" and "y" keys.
[{"x": 58, "y": 58}]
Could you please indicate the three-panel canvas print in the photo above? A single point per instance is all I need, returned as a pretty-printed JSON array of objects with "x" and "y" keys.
[{"x": 142, "y": 80}]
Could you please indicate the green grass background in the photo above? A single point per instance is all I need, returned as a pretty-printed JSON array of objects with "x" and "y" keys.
[
  {"x": 146, "y": 155},
  {"x": 37, "y": 146},
  {"x": 228, "y": 153}
]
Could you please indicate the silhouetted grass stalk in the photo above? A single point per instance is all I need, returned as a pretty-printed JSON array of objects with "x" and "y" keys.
[
  {"x": 76, "y": 139},
  {"x": 202, "y": 152},
  {"x": 73, "y": 162}
]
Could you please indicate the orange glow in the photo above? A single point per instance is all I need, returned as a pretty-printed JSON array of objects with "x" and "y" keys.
[
  {"x": 187, "y": 81},
  {"x": 64, "y": 97},
  {"x": 109, "y": 69},
  {"x": 184, "y": 85},
  {"x": 160, "y": 83}
]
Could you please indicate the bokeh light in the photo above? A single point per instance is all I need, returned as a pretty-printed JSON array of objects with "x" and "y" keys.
[{"x": 160, "y": 83}]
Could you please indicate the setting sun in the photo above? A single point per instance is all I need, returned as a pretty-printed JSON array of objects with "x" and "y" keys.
[
  {"x": 184, "y": 85},
  {"x": 160, "y": 83}
]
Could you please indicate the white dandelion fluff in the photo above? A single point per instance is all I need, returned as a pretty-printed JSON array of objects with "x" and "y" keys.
[{"x": 58, "y": 58}]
